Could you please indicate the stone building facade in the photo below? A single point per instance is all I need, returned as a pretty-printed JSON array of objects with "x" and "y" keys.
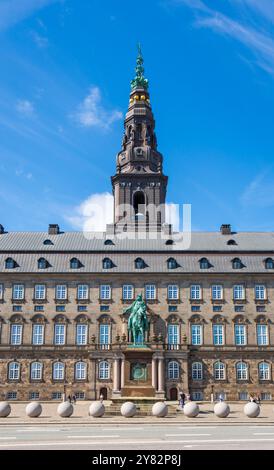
[{"x": 63, "y": 294}]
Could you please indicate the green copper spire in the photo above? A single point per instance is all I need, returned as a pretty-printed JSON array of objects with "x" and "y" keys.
[{"x": 139, "y": 80}]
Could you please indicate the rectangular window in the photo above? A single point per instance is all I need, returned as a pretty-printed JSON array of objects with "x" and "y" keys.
[
  {"x": 218, "y": 335},
  {"x": 59, "y": 334},
  {"x": 265, "y": 396},
  {"x": 240, "y": 335},
  {"x": 260, "y": 292},
  {"x": 82, "y": 308},
  {"x": 80, "y": 395},
  {"x": 56, "y": 395},
  {"x": 12, "y": 396},
  {"x": 104, "y": 337},
  {"x": 172, "y": 292},
  {"x": 197, "y": 396},
  {"x": 105, "y": 292},
  {"x": 1, "y": 291},
  {"x": 18, "y": 292},
  {"x": 60, "y": 308},
  {"x": 34, "y": 395},
  {"x": 195, "y": 308},
  {"x": 128, "y": 292},
  {"x": 217, "y": 308},
  {"x": 82, "y": 292},
  {"x": 17, "y": 308},
  {"x": 262, "y": 335},
  {"x": 150, "y": 292},
  {"x": 217, "y": 292},
  {"x": 104, "y": 308},
  {"x": 173, "y": 308},
  {"x": 196, "y": 335},
  {"x": 173, "y": 336},
  {"x": 243, "y": 396},
  {"x": 40, "y": 292},
  {"x": 239, "y": 292},
  {"x": 195, "y": 292},
  {"x": 81, "y": 334},
  {"x": 39, "y": 308},
  {"x": 16, "y": 335},
  {"x": 61, "y": 292},
  {"x": 38, "y": 334}
]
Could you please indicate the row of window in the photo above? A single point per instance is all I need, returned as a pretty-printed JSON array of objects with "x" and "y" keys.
[
  {"x": 36, "y": 395},
  {"x": 105, "y": 292},
  {"x": 139, "y": 263},
  {"x": 173, "y": 334},
  {"x": 80, "y": 370},
  {"x": 242, "y": 371}
]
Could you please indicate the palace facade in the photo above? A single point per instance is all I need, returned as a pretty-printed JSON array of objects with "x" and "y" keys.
[{"x": 63, "y": 294}]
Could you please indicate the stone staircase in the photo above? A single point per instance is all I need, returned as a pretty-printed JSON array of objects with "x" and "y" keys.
[{"x": 143, "y": 408}]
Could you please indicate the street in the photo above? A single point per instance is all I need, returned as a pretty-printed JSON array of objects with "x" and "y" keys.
[{"x": 136, "y": 437}]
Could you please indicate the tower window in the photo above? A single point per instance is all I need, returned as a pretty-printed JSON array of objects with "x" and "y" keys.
[{"x": 139, "y": 204}]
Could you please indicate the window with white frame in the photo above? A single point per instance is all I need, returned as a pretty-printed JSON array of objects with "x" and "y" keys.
[
  {"x": 262, "y": 335},
  {"x": 242, "y": 371},
  {"x": 150, "y": 291},
  {"x": 217, "y": 292},
  {"x": 239, "y": 292},
  {"x": 218, "y": 335},
  {"x": 14, "y": 371},
  {"x": 197, "y": 371},
  {"x": 128, "y": 291},
  {"x": 172, "y": 292},
  {"x": 18, "y": 292},
  {"x": 81, "y": 334},
  {"x": 240, "y": 335},
  {"x": 103, "y": 370},
  {"x": 16, "y": 334},
  {"x": 59, "y": 334},
  {"x": 266, "y": 396},
  {"x": 105, "y": 292},
  {"x": 61, "y": 292},
  {"x": 196, "y": 335},
  {"x": 36, "y": 371},
  {"x": 260, "y": 292},
  {"x": 197, "y": 396},
  {"x": 264, "y": 371},
  {"x": 104, "y": 334},
  {"x": 195, "y": 292},
  {"x": 80, "y": 370},
  {"x": 40, "y": 292},
  {"x": 173, "y": 370},
  {"x": 58, "y": 372},
  {"x": 82, "y": 292},
  {"x": 173, "y": 336},
  {"x": 1, "y": 291},
  {"x": 37, "y": 334},
  {"x": 219, "y": 370}
]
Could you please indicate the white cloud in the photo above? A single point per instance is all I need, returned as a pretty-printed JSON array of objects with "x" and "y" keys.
[
  {"x": 260, "y": 191},
  {"x": 91, "y": 113},
  {"x": 14, "y": 11},
  {"x": 246, "y": 29},
  {"x": 25, "y": 108},
  {"x": 40, "y": 41}
]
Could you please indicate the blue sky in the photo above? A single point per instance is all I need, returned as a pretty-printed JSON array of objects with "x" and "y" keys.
[{"x": 66, "y": 67}]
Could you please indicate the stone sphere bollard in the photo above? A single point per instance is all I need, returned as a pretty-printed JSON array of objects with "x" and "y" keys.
[
  {"x": 97, "y": 409},
  {"x": 252, "y": 410},
  {"x": 160, "y": 409},
  {"x": 5, "y": 409},
  {"x": 65, "y": 409},
  {"x": 33, "y": 409},
  {"x": 191, "y": 409},
  {"x": 128, "y": 409},
  {"x": 221, "y": 409}
]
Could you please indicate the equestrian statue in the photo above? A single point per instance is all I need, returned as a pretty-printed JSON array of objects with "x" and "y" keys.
[{"x": 137, "y": 322}]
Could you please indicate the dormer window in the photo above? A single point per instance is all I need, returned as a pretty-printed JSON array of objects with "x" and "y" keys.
[
  {"x": 172, "y": 263},
  {"x": 108, "y": 242},
  {"x": 269, "y": 263},
  {"x": 170, "y": 242},
  {"x": 47, "y": 242},
  {"x": 231, "y": 242},
  {"x": 107, "y": 263},
  {"x": 237, "y": 263},
  {"x": 42, "y": 263},
  {"x": 140, "y": 264},
  {"x": 10, "y": 263},
  {"x": 75, "y": 263},
  {"x": 204, "y": 263}
]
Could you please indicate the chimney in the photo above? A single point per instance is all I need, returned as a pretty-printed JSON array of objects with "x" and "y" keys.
[
  {"x": 54, "y": 229},
  {"x": 2, "y": 230},
  {"x": 225, "y": 229}
]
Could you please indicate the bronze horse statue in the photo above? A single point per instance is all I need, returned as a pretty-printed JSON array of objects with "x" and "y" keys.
[{"x": 138, "y": 322}]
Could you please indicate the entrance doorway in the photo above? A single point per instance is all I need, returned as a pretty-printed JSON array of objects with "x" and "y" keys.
[
  {"x": 104, "y": 392},
  {"x": 173, "y": 394}
]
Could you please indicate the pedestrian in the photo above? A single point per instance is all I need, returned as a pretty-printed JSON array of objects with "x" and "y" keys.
[
  {"x": 74, "y": 399},
  {"x": 69, "y": 399},
  {"x": 188, "y": 398},
  {"x": 101, "y": 398},
  {"x": 183, "y": 399},
  {"x": 258, "y": 399}
]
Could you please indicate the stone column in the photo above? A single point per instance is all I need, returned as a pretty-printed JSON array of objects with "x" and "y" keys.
[
  {"x": 160, "y": 374},
  {"x": 122, "y": 372},
  {"x": 154, "y": 373},
  {"x": 116, "y": 375}
]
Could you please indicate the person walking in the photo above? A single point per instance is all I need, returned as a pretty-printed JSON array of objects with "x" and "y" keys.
[
  {"x": 69, "y": 399},
  {"x": 74, "y": 399}
]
